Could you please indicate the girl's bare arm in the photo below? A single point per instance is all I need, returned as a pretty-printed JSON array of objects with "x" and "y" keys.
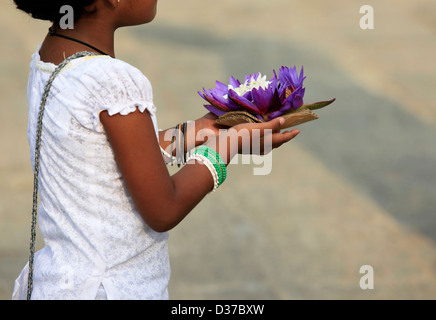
[{"x": 163, "y": 201}]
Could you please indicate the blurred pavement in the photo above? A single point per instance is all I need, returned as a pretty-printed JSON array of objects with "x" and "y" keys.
[{"x": 357, "y": 187}]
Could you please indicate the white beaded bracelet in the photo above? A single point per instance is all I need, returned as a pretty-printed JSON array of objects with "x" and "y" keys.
[{"x": 203, "y": 160}]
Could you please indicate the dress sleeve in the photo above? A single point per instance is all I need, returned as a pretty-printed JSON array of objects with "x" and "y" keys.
[{"x": 116, "y": 87}]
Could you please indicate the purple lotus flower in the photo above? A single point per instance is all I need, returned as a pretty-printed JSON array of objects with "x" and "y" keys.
[
  {"x": 290, "y": 91},
  {"x": 265, "y": 99}
]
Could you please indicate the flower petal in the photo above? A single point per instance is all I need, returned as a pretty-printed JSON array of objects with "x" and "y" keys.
[
  {"x": 275, "y": 114},
  {"x": 293, "y": 102},
  {"x": 276, "y": 103},
  {"x": 296, "y": 98},
  {"x": 221, "y": 88},
  {"x": 234, "y": 82},
  {"x": 288, "y": 77},
  {"x": 215, "y": 111},
  {"x": 262, "y": 98},
  {"x": 216, "y": 103},
  {"x": 223, "y": 101},
  {"x": 248, "y": 95},
  {"x": 243, "y": 102},
  {"x": 297, "y": 101}
]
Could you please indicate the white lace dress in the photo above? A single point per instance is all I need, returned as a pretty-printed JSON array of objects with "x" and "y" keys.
[{"x": 94, "y": 237}]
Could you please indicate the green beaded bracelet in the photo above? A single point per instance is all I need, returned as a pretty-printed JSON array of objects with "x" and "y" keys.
[
  {"x": 218, "y": 168},
  {"x": 216, "y": 160}
]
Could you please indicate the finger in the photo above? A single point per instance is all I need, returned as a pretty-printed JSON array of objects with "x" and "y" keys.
[
  {"x": 280, "y": 138},
  {"x": 275, "y": 140},
  {"x": 265, "y": 127},
  {"x": 274, "y": 124}
]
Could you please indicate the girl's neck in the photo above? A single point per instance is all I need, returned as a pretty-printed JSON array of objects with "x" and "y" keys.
[{"x": 56, "y": 49}]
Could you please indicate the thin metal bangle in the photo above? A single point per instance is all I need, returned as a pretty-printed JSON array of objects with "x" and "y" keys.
[
  {"x": 173, "y": 141},
  {"x": 184, "y": 141}
]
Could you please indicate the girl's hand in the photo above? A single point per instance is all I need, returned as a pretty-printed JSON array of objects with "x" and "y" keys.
[
  {"x": 208, "y": 122},
  {"x": 252, "y": 138},
  {"x": 267, "y": 134}
]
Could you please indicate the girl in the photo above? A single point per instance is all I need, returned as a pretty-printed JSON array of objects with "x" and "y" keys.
[{"x": 107, "y": 198}]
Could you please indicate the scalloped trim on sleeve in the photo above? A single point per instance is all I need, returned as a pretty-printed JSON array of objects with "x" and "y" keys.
[{"x": 123, "y": 110}]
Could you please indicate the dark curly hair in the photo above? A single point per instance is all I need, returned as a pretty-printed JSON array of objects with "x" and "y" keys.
[{"x": 49, "y": 9}]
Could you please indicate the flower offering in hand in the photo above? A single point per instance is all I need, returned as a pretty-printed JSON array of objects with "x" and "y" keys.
[{"x": 258, "y": 99}]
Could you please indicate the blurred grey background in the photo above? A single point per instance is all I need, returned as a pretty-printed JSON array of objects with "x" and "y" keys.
[{"x": 357, "y": 187}]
